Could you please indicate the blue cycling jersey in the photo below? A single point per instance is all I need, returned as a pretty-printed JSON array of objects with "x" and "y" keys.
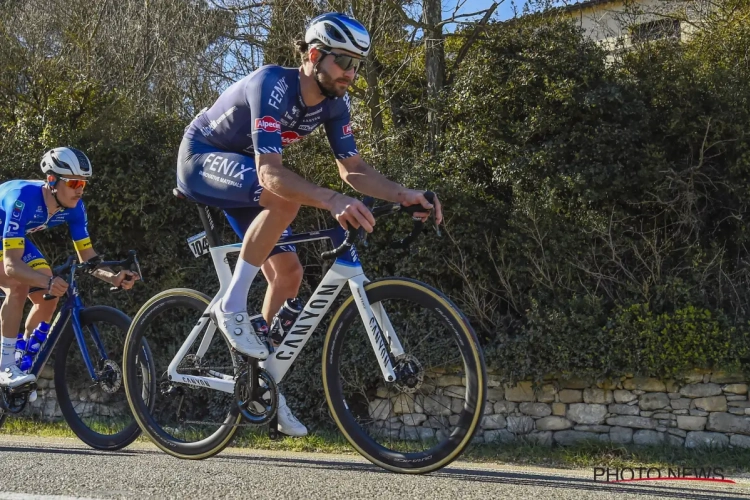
[
  {"x": 264, "y": 112},
  {"x": 23, "y": 211}
]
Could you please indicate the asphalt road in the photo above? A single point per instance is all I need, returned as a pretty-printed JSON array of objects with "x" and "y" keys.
[{"x": 34, "y": 469}]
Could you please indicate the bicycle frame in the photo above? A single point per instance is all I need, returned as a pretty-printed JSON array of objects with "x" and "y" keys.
[
  {"x": 70, "y": 311},
  {"x": 345, "y": 269}
]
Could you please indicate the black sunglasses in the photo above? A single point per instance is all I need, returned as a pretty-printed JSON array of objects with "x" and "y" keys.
[{"x": 344, "y": 61}]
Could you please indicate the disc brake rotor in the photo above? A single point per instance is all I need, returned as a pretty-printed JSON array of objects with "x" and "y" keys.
[{"x": 110, "y": 377}]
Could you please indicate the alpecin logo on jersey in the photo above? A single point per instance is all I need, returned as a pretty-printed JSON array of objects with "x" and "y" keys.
[
  {"x": 290, "y": 137},
  {"x": 267, "y": 124}
]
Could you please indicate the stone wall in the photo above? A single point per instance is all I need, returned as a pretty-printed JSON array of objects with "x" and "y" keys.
[
  {"x": 89, "y": 402},
  {"x": 45, "y": 407},
  {"x": 699, "y": 409}
]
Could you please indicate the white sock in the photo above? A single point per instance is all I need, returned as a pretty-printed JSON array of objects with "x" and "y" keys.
[
  {"x": 8, "y": 357},
  {"x": 235, "y": 299}
]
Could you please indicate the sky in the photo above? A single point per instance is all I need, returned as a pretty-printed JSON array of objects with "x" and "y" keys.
[{"x": 503, "y": 12}]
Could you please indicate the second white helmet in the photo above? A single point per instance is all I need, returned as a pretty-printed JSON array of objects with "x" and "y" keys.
[
  {"x": 339, "y": 31},
  {"x": 66, "y": 161}
]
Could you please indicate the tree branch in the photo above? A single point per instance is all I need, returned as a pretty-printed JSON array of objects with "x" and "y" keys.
[
  {"x": 464, "y": 50},
  {"x": 453, "y": 18},
  {"x": 405, "y": 17}
]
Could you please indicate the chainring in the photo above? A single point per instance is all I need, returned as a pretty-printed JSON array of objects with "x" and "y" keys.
[
  {"x": 261, "y": 409},
  {"x": 13, "y": 403}
]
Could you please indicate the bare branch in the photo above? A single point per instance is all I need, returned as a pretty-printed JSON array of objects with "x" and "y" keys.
[
  {"x": 464, "y": 50},
  {"x": 405, "y": 17}
]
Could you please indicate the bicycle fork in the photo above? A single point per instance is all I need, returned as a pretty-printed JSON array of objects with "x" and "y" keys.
[{"x": 382, "y": 335}]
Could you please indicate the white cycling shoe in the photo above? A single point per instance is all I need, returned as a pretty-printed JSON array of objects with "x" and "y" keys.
[
  {"x": 239, "y": 332},
  {"x": 287, "y": 422},
  {"x": 12, "y": 376}
]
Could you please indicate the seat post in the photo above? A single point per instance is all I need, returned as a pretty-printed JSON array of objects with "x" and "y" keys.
[
  {"x": 206, "y": 215},
  {"x": 207, "y": 218}
]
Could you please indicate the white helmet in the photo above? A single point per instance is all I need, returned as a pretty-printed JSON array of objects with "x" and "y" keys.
[
  {"x": 66, "y": 161},
  {"x": 339, "y": 31}
]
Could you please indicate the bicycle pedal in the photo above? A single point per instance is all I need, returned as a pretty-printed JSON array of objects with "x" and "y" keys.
[
  {"x": 273, "y": 429},
  {"x": 31, "y": 386}
]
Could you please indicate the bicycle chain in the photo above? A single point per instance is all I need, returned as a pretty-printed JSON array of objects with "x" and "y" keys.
[{"x": 204, "y": 368}]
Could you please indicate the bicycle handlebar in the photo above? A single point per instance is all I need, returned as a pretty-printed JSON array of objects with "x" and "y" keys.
[
  {"x": 91, "y": 265},
  {"x": 389, "y": 208}
]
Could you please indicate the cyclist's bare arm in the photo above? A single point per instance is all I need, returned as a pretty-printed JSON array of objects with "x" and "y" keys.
[
  {"x": 365, "y": 179},
  {"x": 359, "y": 175},
  {"x": 103, "y": 273},
  {"x": 276, "y": 178}
]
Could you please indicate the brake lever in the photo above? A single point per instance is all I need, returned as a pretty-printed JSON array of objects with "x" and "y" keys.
[
  {"x": 351, "y": 237},
  {"x": 369, "y": 202}
]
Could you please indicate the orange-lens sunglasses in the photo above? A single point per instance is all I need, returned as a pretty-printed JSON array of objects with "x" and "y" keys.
[{"x": 74, "y": 183}]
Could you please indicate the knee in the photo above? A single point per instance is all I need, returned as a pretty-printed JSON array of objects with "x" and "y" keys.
[
  {"x": 278, "y": 204},
  {"x": 18, "y": 293},
  {"x": 289, "y": 277}
]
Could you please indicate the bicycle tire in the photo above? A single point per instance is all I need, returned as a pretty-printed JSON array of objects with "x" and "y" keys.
[
  {"x": 199, "y": 450},
  {"x": 476, "y": 375},
  {"x": 109, "y": 442}
]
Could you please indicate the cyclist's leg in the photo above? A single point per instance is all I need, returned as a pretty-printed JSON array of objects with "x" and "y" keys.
[
  {"x": 283, "y": 271},
  {"x": 11, "y": 314},
  {"x": 282, "y": 268},
  {"x": 229, "y": 180},
  {"x": 42, "y": 310}
]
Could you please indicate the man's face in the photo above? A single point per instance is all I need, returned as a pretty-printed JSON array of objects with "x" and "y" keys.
[
  {"x": 70, "y": 189},
  {"x": 331, "y": 76}
]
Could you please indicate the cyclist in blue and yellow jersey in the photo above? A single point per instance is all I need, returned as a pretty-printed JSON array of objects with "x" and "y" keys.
[
  {"x": 27, "y": 206},
  {"x": 231, "y": 158}
]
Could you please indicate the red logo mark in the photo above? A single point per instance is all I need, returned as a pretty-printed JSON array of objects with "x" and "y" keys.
[
  {"x": 347, "y": 129},
  {"x": 268, "y": 124},
  {"x": 290, "y": 137}
]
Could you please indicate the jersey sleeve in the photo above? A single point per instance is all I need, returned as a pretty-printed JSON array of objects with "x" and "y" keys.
[
  {"x": 339, "y": 130},
  {"x": 267, "y": 95},
  {"x": 79, "y": 227},
  {"x": 14, "y": 229}
]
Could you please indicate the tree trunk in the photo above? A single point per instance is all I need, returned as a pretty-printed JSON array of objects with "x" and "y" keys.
[
  {"x": 372, "y": 75},
  {"x": 435, "y": 63}
]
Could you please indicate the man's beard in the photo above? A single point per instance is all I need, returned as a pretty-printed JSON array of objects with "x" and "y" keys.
[{"x": 329, "y": 84}]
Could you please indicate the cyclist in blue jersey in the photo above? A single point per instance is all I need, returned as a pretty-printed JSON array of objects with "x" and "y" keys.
[
  {"x": 231, "y": 157},
  {"x": 27, "y": 206}
]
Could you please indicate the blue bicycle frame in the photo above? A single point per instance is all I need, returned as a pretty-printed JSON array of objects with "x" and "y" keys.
[{"x": 70, "y": 311}]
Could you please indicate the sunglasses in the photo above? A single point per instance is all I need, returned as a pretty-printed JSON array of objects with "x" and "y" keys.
[
  {"x": 345, "y": 62},
  {"x": 74, "y": 183}
]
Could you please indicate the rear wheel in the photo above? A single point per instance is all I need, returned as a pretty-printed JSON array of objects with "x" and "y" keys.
[
  {"x": 186, "y": 421},
  {"x": 412, "y": 425}
]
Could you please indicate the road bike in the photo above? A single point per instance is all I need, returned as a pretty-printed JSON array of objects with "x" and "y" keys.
[
  {"x": 384, "y": 385},
  {"x": 87, "y": 380}
]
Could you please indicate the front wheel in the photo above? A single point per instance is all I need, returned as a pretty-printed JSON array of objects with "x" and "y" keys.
[
  {"x": 426, "y": 418},
  {"x": 97, "y": 410}
]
